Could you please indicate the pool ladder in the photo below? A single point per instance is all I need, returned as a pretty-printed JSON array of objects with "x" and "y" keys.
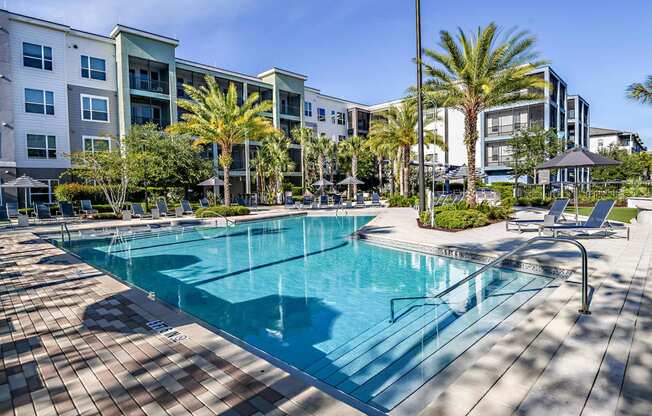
[
  {"x": 585, "y": 279},
  {"x": 65, "y": 232}
]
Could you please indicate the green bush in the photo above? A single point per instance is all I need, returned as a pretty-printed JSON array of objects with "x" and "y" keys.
[
  {"x": 221, "y": 210},
  {"x": 492, "y": 212},
  {"x": 106, "y": 216},
  {"x": 297, "y": 190},
  {"x": 460, "y": 219},
  {"x": 398, "y": 200},
  {"x": 77, "y": 191},
  {"x": 424, "y": 217}
]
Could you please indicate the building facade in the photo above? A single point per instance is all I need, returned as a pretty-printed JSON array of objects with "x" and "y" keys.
[
  {"x": 601, "y": 139},
  {"x": 63, "y": 90}
]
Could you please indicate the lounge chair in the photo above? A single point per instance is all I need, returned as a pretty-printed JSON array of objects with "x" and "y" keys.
[
  {"x": 162, "y": 207},
  {"x": 43, "y": 213},
  {"x": 289, "y": 202},
  {"x": 87, "y": 207},
  {"x": 337, "y": 201},
  {"x": 137, "y": 210},
  {"x": 359, "y": 201},
  {"x": 307, "y": 202},
  {"x": 323, "y": 201},
  {"x": 597, "y": 221},
  {"x": 375, "y": 200},
  {"x": 185, "y": 205},
  {"x": 556, "y": 211},
  {"x": 66, "y": 211},
  {"x": 204, "y": 203},
  {"x": 12, "y": 209}
]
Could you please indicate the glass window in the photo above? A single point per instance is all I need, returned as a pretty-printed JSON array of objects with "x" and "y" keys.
[
  {"x": 307, "y": 108},
  {"x": 44, "y": 195},
  {"x": 93, "y": 68},
  {"x": 37, "y": 56},
  {"x": 40, "y": 146},
  {"x": 321, "y": 114},
  {"x": 39, "y": 101},
  {"x": 96, "y": 144},
  {"x": 95, "y": 108},
  {"x": 341, "y": 118},
  {"x": 333, "y": 116}
]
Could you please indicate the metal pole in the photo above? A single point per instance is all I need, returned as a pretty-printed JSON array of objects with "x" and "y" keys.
[
  {"x": 576, "y": 192},
  {"x": 422, "y": 189}
]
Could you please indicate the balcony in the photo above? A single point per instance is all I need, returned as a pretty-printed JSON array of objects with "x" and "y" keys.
[
  {"x": 146, "y": 84},
  {"x": 290, "y": 110},
  {"x": 504, "y": 161},
  {"x": 140, "y": 120}
]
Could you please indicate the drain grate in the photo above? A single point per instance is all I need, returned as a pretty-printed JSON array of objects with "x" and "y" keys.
[{"x": 166, "y": 330}]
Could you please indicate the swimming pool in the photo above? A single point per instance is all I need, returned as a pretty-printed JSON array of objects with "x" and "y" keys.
[{"x": 303, "y": 291}]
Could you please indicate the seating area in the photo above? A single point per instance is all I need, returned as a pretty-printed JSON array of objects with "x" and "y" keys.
[{"x": 334, "y": 201}]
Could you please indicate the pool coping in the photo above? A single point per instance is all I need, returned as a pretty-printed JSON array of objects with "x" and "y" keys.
[{"x": 465, "y": 255}]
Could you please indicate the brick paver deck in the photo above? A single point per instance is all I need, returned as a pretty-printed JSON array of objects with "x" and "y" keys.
[{"x": 75, "y": 341}]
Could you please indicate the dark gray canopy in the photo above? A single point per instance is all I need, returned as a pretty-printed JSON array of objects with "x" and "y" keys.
[
  {"x": 322, "y": 182},
  {"x": 577, "y": 157}
]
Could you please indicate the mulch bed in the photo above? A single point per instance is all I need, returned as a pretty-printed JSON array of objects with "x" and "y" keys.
[{"x": 449, "y": 230}]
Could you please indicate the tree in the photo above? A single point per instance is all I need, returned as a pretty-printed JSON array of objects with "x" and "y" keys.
[
  {"x": 113, "y": 170},
  {"x": 476, "y": 71},
  {"x": 305, "y": 136},
  {"x": 321, "y": 148},
  {"x": 633, "y": 166},
  {"x": 270, "y": 163},
  {"x": 531, "y": 147},
  {"x": 168, "y": 159},
  {"x": 641, "y": 91},
  {"x": 352, "y": 148},
  {"x": 215, "y": 117},
  {"x": 397, "y": 125}
]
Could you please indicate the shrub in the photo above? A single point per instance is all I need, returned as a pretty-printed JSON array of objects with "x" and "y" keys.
[
  {"x": 424, "y": 217},
  {"x": 77, "y": 191},
  {"x": 221, "y": 210},
  {"x": 106, "y": 216},
  {"x": 398, "y": 200},
  {"x": 460, "y": 219}
]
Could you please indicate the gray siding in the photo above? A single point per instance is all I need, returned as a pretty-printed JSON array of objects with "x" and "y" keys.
[
  {"x": 79, "y": 127},
  {"x": 7, "y": 141}
]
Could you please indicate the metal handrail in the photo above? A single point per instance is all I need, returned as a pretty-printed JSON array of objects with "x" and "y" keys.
[
  {"x": 64, "y": 227},
  {"x": 585, "y": 279},
  {"x": 228, "y": 221}
]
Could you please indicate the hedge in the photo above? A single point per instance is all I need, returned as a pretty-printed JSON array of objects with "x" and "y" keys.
[
  {"x": 221, "y": 210},
  {"x": 397, "y": 200},
  {"x": 461, "y": 219}
]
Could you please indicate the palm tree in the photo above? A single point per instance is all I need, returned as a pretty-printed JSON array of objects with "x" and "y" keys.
[
  {"x": 476, "y": 71},
  {"x": 641, "y": 91},
  {"x": 352, "y": 147},
  {"x": 305, "y": 136},
  {"x": 215, "y": 117},
  {"x": 397, "y": 125},
  {"x": 321, "y": 148},
  {"x": 276, "y": 151}
]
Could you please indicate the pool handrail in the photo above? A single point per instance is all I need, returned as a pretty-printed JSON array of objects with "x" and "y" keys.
[{"x": 585, "y": 279}]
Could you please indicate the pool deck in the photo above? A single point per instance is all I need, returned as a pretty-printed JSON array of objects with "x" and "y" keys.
[
  {"x": 76, "y": 341},
  {"x": 555, "y": 361}
]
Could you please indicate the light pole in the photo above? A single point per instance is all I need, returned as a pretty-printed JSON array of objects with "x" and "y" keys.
[{"x": 422, "y": 188}]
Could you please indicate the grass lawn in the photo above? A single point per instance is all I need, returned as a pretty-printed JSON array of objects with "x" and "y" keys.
[{"x": 621, "y": 214}]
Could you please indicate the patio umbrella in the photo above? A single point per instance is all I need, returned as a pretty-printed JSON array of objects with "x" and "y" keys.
[
  {"x": 577, "y": 157},
  {"x": 212, "y": 182},
  {"x": 321, "y": 183},
  {"x": 350, "y": 180},
  {"x": 26, "y": 182},
  {"x": 462, "y": 173}
]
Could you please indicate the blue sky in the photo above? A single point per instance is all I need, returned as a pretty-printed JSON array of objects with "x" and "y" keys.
[{"x": 362, "y": 49}]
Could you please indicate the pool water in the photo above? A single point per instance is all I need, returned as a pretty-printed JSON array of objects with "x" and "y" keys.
[{"x": 304, "y": 291}]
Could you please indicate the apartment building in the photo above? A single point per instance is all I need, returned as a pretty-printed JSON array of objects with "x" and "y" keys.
[
  {"x": 64, "y": 90},
  {"x": 601, "y": 138}
]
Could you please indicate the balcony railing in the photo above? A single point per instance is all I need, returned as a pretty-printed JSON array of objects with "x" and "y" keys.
[
  {"x": 144, "y": 84},
  {"x": 290, "y": 110},
  {"x": 501, "y": 161},
  {"x": 144, "y": 120},
  {"x": 571, "y": 114},
  {"x": 509, "y": 129}
]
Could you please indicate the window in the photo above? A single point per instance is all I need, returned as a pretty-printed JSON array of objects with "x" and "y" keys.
[
  {"x": 44, "y": 195},
  {"x": 321, "y": 114},
  {"x": 341, "y": 118},
  {"x": 39, "y": 101},
  {"x": 600, "y": 143},
  {"x": 40, "y": 146},
  {"x": 96, "y": 144},
  {"x": 93, "y": 68},
  {"x": 95, "y": 108},
  {"x": 307, "y": 108},
  {"x": 333, "y": 116},
  {"x": 37, "y": 56}
]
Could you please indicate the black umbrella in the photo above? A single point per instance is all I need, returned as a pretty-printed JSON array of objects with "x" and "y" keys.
[
  {"x": 577, "y": 157},
  {"x": 26, "y": 182}
]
